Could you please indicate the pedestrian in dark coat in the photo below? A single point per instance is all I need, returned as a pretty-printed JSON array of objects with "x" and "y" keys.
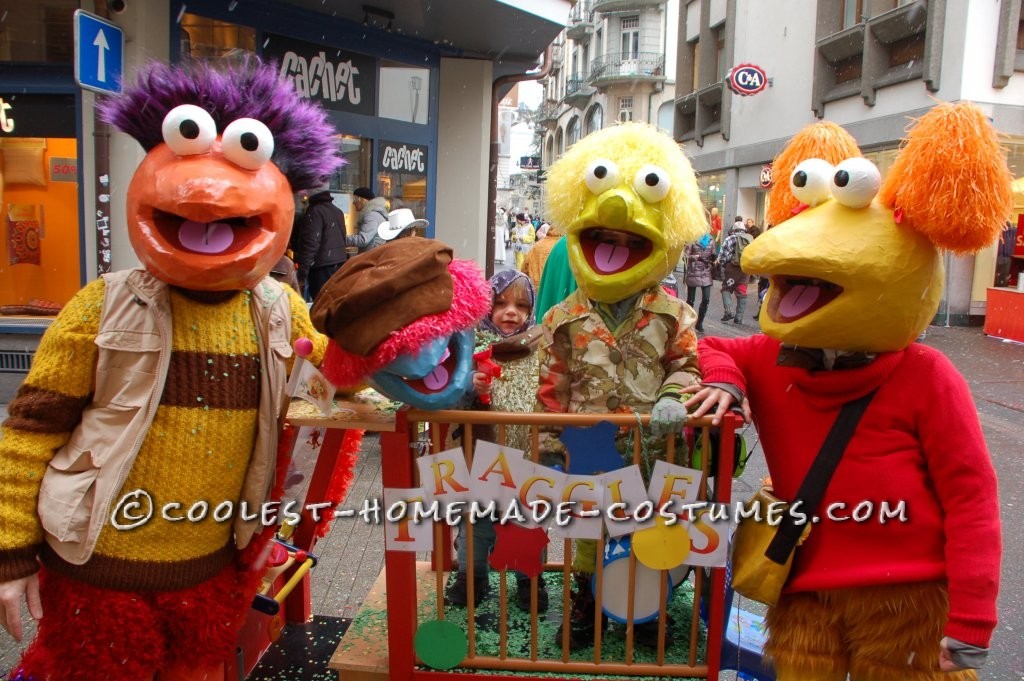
[{"x": 321, "y": 245}]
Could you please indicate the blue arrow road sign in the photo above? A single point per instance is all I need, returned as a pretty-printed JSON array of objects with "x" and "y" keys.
[{"x": 99, "y": 53}]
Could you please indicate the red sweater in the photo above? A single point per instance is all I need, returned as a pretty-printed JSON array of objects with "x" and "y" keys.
[{"x": 920, "y": 441}]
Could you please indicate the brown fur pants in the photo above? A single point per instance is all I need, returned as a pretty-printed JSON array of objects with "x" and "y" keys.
[{"x": 881, "y": 633}]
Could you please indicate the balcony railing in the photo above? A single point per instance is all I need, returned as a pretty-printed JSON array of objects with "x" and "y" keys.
[
  {"x": 578, "y": 92},
  {"x": 624, "y": 5},
  {"x": 581, "y": 11},
  {"x": 547, "y": 114},
  {"x": 581, "y": 21},
  {"x": 626, "y": 66},
  {"x": 574, "y": 85}
]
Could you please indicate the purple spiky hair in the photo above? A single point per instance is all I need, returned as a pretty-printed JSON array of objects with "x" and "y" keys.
[{"x": 305, "y": 142}]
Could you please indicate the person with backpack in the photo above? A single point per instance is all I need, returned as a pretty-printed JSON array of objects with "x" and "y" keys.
[{"x": 734, "y": 280}]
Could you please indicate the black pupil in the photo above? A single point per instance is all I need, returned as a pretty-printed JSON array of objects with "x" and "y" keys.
[
  {"x": 842, "y": 178},
  {"x": 189, "y": 129},
  {"x": 249, "y": 141},
  {"x": 651, "y": 179},
  {"x": 800, "y": 179},
  {"x": 600, "y": 172}
]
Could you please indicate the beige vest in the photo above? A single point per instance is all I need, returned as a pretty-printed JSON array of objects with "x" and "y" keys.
[{"x": 134, "y": 340}]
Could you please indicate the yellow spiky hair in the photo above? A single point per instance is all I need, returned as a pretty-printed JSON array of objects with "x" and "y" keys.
[
  {"x": 631, "y": 146},
  {"x": 950, "y": 181},
  {"x": 824, "y": 140}
]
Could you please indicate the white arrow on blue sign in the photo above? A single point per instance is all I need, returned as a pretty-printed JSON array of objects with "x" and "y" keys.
[{"x": 99, "y": 53}]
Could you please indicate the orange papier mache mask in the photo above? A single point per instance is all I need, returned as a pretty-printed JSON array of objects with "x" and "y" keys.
[{"x": 210, "y": 207}]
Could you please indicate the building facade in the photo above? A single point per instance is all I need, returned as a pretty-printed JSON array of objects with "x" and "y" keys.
[
  {"x": 614, "y": 61},
  {"x": 868, "y": 65}
]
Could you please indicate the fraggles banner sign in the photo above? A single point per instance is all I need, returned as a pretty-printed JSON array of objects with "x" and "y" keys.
[{"x": 506, "y": 487}]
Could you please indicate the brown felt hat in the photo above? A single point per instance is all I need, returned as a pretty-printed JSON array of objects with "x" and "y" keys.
[{"x": 382, "y": 291}]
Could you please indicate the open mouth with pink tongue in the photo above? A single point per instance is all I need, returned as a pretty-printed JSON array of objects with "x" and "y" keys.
[
  {"x": 438, "y": 378},
  {"x": 797, "y": 297},
  {"x": 222, "y": 236},
  {"x": 610, "y": 251}
]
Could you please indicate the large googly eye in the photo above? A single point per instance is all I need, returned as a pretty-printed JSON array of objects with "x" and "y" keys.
[
  {"x": 601, "y": 175},
  {"x": 651, "y": 183},
  {"x": 247, "y": 143},
  {"x": 855, "y": 182},
  {"x": 811, "y": 180},
  {"x": 188, "y": 130}
]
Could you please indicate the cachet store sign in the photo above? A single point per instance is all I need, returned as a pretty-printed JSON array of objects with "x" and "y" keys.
[{"x": 340, "y": 80}]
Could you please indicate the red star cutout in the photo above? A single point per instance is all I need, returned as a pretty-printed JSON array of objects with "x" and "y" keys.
[{"x": 518, "y": 548}]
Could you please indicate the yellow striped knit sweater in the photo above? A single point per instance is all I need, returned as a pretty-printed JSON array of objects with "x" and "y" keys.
[{"x": 196, "y": 450}]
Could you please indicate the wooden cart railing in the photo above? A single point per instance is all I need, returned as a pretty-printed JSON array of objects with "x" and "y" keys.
[{"x": 421, "y": 430}]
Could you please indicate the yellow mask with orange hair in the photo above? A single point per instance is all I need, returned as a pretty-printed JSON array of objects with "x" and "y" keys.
[{"x": 855, "y": 264}]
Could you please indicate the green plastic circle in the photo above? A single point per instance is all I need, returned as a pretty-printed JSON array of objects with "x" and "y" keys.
[{"x": 440, "y": 644}]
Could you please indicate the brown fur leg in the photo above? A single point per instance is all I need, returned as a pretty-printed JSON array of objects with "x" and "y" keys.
[
  {"x": 894, "y": 631},
  {"x": 804, "y": 640}
]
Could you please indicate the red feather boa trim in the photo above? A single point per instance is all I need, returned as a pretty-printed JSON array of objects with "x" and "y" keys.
[{"x": 344, "y": 473}]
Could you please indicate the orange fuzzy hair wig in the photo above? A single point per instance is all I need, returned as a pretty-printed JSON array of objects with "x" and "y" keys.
[
  {"x": 933, "y": 186},
  {"x": 824, "y": 140}
]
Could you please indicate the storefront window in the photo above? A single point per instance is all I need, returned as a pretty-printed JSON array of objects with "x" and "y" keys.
[
  {"x": 1014, "y": 147},
  {"x": 203, "y": 38},
  {"x": 36, "y": 32},
  {"x": 358, "y": 154},
  {"x": 404, "y": 93},
  {"x": 882, "y": 158},
  {"x": 40, "y": 265},
  {"x": 712, "y": 192}
]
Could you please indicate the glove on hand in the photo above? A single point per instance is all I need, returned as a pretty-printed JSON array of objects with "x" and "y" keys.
[{"x": 668, "y": 416}]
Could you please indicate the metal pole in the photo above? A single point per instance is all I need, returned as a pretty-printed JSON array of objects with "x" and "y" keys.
[
  {"x": 492, "y": 185},
  {"x": 948, "y": 263},
  {"x": 101, "y": 178}
]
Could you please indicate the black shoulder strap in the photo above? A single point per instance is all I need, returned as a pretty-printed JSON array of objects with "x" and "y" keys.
[{"x": 812, "y": 489}]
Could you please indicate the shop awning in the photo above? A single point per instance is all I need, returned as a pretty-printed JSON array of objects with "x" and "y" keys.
[{"x": 500, "y": 30}]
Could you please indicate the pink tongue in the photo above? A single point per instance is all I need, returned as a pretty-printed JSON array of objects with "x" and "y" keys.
[
  {"x": 610, "y": 257},
  {"x": 206, "y": 237},
  {"x": 436, "y": 379},
  {"x": 798, "y": 300}
]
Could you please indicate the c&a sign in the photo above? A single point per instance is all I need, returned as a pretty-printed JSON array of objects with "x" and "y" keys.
[{"x": 747, "y": 79}]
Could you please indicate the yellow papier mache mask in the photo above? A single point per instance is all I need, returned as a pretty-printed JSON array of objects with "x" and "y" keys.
[
  {"x": 852, "y": 270},
  {"x": 627, "y": 199}
]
